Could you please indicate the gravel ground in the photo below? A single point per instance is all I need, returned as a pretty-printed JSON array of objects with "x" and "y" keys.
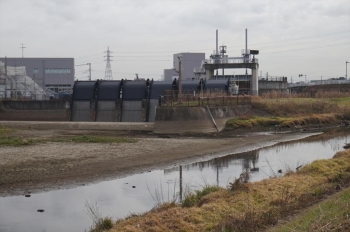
[{"x": 51, "y": 165}]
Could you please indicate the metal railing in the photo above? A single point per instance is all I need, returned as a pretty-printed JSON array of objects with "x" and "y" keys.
[
  {"x": 273, "y": 78},
  {"x": 320, "y": 82},
  {"x": 240, "y": 60},
  {"x": 197, "y": 101}
]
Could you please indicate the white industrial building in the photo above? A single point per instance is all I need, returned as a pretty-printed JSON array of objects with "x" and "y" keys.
[
  {"x": 56, "y": 74},
  {"x": 188, "y": 62}
]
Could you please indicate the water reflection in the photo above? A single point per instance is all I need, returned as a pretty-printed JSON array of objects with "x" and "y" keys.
[
  {"x": 64, "y": 209},
  {"x": 261, "y": 163}
]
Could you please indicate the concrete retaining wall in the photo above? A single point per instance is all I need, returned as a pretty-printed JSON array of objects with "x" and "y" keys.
[
  {"x": 34, "y": 110},
  {"x": 276, "y": 86},
  {"x": 194, "y": 119}
]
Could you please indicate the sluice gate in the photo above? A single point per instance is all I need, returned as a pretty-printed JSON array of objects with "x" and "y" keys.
[
  {"x": 134, "y": 93},
  {"x": 108, "y": 101},
  {"x": 129, "y": 101},
  {"x": 83, "y": 94}
]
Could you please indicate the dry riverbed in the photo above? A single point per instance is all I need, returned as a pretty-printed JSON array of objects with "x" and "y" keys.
[{"x": 48, "y": 164}]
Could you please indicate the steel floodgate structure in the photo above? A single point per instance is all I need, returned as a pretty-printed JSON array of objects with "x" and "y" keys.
[
  {"x": 129, "y": 101},
  {"x": 84, "y": 93},
  {"x": 108, "y": 101}
]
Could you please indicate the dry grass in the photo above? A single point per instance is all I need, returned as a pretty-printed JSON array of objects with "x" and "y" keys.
[
  {"x": 254, "y": 207},
  {"x": 283, "y": 122},
  {"x": 330, "y": 215},
  {"x": 308, "y": 94},
  {"x": 297, "y": 106},
  {"x": 294, "y": 113}
]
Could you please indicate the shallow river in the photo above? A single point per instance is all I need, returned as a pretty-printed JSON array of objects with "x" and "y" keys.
[{"x": 65, "y": 210}]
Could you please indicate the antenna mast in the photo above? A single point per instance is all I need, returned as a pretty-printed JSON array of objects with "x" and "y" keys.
[
  {"x": 22, "y": 48},
  {"x": 108, "y": 72}
]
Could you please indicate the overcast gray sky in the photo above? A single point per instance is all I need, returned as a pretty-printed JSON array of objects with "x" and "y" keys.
[{"x": 294, "y": 37}]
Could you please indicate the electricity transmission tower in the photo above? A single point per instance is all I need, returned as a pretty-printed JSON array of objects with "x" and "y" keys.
[{"x": 108, "y": 72}]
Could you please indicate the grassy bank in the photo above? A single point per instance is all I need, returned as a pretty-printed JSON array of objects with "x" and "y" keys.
[
  {"x": 332, "y": 214},
  {"x": 293, "y": 113},
  {"x": 283, "y": 122},
  {"x": 248, "y": 206}
]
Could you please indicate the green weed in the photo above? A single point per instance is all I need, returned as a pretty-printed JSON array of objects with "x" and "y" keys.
[
  {"x": 14, "y": 141},
  {"x": 193, "y": 198},
  {"x": 96, "y": 139}
]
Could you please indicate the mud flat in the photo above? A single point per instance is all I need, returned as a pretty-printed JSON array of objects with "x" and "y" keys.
[{"x": 51, "y": 165}]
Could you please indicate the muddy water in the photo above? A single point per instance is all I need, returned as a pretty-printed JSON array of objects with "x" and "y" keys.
[{"x": 65, "y": 210}]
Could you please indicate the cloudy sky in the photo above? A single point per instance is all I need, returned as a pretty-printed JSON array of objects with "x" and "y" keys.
[{"x": 310, "y": 37}]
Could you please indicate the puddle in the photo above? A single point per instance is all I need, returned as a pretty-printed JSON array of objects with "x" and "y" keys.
[{"x": 64, "y": 210}]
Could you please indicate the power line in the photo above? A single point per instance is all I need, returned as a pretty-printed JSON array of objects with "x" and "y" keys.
[{"x": 261, "y": 53}]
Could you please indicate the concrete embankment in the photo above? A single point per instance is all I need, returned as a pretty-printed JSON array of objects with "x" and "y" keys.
[{"x": 195, "y": 119}]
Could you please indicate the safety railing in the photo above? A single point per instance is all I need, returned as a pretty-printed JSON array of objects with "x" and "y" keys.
[
  {"x": 197, "y": 101},
  {"x": 270, "y": 78},
  {"x": 232, "y": 61}
]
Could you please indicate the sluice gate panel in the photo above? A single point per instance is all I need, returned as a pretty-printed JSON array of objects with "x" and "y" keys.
[{"x": 81, "y": 105}]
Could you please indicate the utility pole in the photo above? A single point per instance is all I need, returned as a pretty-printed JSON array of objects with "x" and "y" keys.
[
  {"x": 6, "y": 77},
  {"x": 346, "y": 70},
  {"x": 180, "y": 183},
  {"x": 15, "y": 81},
  {"x": 44, "y": 72},
  {"x": 22, "y": 48},
  {"x": 89, "y": 71},
  {"x": 108, "y": 71},
  {"x": 34, "y": 86},
  {"x": 180, "y": 85}
]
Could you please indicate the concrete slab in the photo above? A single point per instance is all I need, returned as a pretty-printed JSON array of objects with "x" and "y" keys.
[{"x": 117, "y": 126}]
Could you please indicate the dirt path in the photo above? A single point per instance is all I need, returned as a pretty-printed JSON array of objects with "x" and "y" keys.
[{"x": 52, "y": 165}]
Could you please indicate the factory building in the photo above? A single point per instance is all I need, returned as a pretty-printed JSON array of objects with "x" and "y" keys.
[
  {"x": 188, "y": 62},
  {"x": 56, "y": 74}
]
